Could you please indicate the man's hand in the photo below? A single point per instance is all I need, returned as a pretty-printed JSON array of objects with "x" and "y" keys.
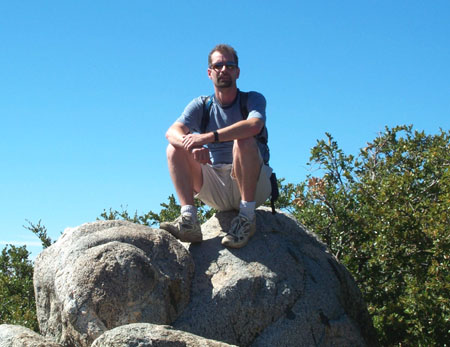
[
  {"x": 201, "y": 155},
  {"x": 191, "y": 141}
]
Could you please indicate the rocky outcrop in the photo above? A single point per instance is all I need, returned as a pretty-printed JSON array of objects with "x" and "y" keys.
[
  {"x": 145, "y": 334},
  {"x": 17, "y": 336},
  {"x": 282, "y": 289},
  {"x": 106, "y": 274}
]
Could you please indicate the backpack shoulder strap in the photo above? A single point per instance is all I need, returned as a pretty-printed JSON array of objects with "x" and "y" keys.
[
  {"x": 243, "y": 104},
  {"x": 262, "y": 136},
  {"x": 274, "y": 195},
  {"x": 207, "y": 103}
]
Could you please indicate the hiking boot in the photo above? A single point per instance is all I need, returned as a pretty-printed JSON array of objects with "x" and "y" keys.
[
  {"x": 184, "y": 228},
  {"x": 240, "y": 232}
]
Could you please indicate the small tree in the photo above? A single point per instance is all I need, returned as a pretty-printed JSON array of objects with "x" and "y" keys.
[
  {"x": 17, "y": 302},
  {"x": 17, "y": 305}
]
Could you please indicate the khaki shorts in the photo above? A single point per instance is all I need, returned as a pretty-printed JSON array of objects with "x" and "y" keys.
[{"x": 221, "y": 191}]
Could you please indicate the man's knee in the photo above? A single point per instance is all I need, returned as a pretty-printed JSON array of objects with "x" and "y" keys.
[
  {"x": 179, "y": 157},
  {"x": 172, "y": 152}
]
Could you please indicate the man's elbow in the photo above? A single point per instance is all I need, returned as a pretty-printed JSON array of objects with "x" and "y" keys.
[
  {"x": 256, "y": 127},
  {"x": 173, "y": 129}
]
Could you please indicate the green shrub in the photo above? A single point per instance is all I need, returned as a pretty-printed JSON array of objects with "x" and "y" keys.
[
  {"x": 17, "y": 305},
  {"x": 386, "y": 215}
]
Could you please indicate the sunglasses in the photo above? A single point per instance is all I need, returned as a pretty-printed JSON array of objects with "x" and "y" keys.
[{"x": 229, "y": 65}]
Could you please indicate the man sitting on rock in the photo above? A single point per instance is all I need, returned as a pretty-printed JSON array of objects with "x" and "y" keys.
[{"x": 221, "y": 158}]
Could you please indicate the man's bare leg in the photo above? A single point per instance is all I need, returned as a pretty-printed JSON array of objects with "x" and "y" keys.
[
  {"x": 246, "y": 167},
  {"x": 186, "y": 174}
]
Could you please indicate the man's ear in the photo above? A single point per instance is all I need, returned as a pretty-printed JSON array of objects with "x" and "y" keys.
[
  {"x": 238, "y": 72},
  {"x": 209, "y": 73}
]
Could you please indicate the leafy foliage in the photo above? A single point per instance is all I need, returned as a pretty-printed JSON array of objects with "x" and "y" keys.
[
  {"x": 385, "y": 215},
  {"x": 17, "y": 305},
  {"x": 41, "y": 232},
  {"x": 287, "y": 195}
]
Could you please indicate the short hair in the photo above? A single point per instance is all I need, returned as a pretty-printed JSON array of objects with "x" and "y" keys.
[{"x": 224, "y": 49}]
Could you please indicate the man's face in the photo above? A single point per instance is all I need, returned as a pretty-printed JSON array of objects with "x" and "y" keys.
[{"x": 223, "y": 70}]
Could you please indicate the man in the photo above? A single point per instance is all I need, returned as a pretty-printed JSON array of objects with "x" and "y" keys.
[{"x": 223, "y": 163}]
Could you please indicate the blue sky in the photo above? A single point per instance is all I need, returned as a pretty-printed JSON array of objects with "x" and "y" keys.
[{"x": 88, "y": 88}]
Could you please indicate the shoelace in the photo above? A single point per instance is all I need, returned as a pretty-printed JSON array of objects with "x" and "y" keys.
[
  {"x": 238, "y": 223},
  {"x": 186, "y": 222}
]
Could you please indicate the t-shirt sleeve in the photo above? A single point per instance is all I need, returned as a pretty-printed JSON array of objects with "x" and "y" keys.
[
  {"x": 256, "y": 106},
  {"x": 192, "y": 115}
]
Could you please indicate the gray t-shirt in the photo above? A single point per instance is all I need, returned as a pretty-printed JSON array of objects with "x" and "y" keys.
[{"x": 220, "y": 117}]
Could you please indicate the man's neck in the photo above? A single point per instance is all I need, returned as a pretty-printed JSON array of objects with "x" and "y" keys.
[{"x": 226, "y": 96}]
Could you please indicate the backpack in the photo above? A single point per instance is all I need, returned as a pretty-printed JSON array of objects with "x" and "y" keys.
[{"x": 262, "y": 139}]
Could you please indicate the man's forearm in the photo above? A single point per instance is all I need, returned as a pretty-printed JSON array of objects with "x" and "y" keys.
[
  {"x": 240, "y": 130},
  {"x": 174, "y": 138},
  {"x": 178, "y": 136}
]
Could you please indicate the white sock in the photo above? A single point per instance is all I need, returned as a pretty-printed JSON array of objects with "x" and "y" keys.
[
  {"x": 192, "y": 210},
  {"x": 247, "y": 208}
]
